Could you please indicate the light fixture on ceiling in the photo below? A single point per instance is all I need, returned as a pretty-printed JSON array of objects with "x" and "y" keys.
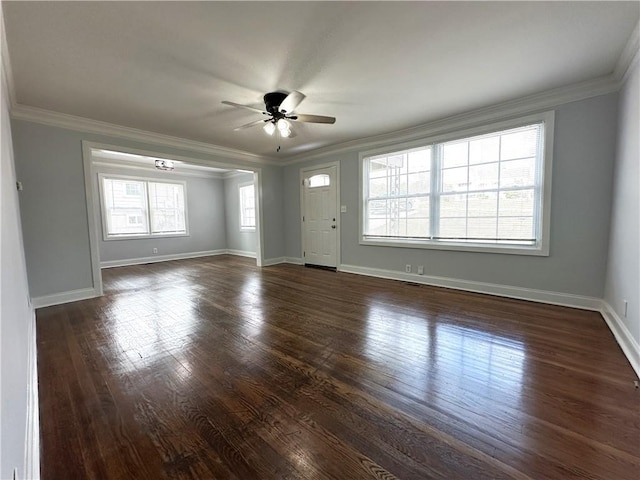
[
  {"x": 279, "y": 108},
  {"x": 164, "y": 165},
  {"x": 284, "y": 127},
  {"x": 269, "y": 128}
]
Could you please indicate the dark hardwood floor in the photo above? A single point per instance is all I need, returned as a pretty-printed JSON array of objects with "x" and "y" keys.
[{"x": 212, "y": 368}]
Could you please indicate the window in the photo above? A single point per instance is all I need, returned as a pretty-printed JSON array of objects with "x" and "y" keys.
[
  {"x": 320, "y": 180},
  {"x": 247, "y": 207},
  {"x": 483, "y": 192},
  {"x": 136, "y": 207}
]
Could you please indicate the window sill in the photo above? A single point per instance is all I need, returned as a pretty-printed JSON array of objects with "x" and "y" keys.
[
  {"x": 247, "y": 229},
  {"x": 145, "y": 237},
  {"x": 539, "y": 251}
]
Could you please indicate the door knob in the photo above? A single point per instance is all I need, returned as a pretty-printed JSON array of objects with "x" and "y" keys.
[{"x": 333, "y": 226}]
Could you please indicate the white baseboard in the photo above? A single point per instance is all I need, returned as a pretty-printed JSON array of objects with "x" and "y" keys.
[
  {"x": 241, "y": 253},
  {"x": 273, "y": 261},
  {"x": 64, "y": 297},
  {"x": 630, "y": 347},
  {"x": 542, "y": 296},
  {"x": 161, "y": 258},
  {"x": 279, "y": 260},
  {"x": 32, "y": 437},
  {"x": 294, "y": 260}
]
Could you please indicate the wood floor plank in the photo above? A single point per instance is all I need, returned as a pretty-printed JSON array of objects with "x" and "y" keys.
[{"x": 212, "y": 368}]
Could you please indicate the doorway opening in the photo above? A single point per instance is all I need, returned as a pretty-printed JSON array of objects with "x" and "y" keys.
[
  {"x": 320, "y": 200},
  {"x": 146, "y": 207}
]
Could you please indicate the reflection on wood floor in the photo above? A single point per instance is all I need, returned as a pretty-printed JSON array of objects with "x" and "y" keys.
[{"x": 213, "y": 368}]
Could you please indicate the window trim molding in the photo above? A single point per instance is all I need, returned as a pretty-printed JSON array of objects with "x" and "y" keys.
[
  {"x": 103, "y": 217},
  {"x": 240, "y": 186},
  {"x": 540, "y": 249}
]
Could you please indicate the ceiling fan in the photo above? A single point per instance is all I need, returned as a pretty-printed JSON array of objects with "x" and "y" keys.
[{"x": 279, "y": 109}]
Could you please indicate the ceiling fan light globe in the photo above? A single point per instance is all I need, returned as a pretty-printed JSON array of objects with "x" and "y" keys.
[
  {"x": 285, "y": 133},
  {"x": 283, "y": 125},
  {"x": 269, "y": 128}
]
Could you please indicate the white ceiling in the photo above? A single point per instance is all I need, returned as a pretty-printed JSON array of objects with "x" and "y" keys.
[{"x": 378, "y": 67}]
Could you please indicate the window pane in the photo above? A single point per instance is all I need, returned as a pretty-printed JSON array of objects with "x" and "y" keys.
[
  {"x": 419, "y": 183},
  {"x": 480, "y": 227},
  {"x": 455, "y": 179},
  {"x": 377, "y": 167},
  {"x": 420, "y": 160},
  {"x": 418, "y": 227},
  {"x": 484, "y": 150},
  {"x": 397, "y": 198},
  {"x": 518, "y": 173},
  {"x": 125, "y": 207},
  {"x": 453, "y": 228},
  {"x": 321, "y": 180},
  {"x": 166, "y": 204},
  {"x": 516, "y": 228},
  {"x": 520, "y": 144},
  {"x": 516, "y": 203},
  {"x": 455, "y": 154},
  {"x": 419, "y": 207},
  {"x": 483, "y": 177},
  {"x": 378, "y": 187},
  {"x": 247, "y": 205},
  {"x": 483, "y": 204},
  {"x": 453, "y": 206}
]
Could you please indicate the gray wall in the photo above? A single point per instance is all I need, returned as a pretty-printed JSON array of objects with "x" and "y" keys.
[
  {"x": 206, "y": 212},
  {"x": 239, "y": 240},
  {"x": 623, "y": 268},
  {"x": 53, "y": 209},
  {"x": 584, "y": 146},
  {"x": 16, "y": 315},
  {"x": 53, "y": 205}
]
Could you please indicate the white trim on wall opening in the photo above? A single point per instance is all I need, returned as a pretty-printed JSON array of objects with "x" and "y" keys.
[{"x": 93, "y": 201}]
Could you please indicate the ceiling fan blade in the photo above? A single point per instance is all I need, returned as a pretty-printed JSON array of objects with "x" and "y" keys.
[
  {"x": 246, "y": 107},
  {"x": 249, "y": 125},
  {"x": 312, "y": 118},
  {"x": 290, "y": 103}
]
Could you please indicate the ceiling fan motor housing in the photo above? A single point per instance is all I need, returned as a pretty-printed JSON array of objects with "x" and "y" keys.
[{"x": 272, "y": 102}]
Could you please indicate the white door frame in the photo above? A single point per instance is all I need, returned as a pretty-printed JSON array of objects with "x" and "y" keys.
[
  {"x": 93, "y": 202},
  {"x": 303, "y": 172}
]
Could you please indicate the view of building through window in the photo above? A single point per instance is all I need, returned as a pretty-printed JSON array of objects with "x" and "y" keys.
[
  {"x": 482, "y": 189},
  {"x": 139, "y": 207}
]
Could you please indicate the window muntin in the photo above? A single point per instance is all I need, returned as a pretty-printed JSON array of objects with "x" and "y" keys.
[
  {"x": 247, "y": 207},
  {"x": 484, "y": 190},
  {"x": 136, "y": 208}
]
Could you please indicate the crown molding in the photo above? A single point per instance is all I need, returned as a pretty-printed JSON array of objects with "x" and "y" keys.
[
  {"x": 236, "y": 173},
  {"x": 72, "y": 122},
  {"x": 628, "y": 57},
  {"x": 502, "y": 111}
]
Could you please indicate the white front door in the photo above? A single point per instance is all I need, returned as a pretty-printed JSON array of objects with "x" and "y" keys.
[{"x": 319, "y": 216}]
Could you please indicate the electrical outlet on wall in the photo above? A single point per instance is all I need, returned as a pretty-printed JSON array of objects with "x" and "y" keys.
[
  {"x": 155, "y": 250},
  {"x": 625, "y": 308},
  {"x": 420, "y": 270},
  {"x": 407, "y": 268}
]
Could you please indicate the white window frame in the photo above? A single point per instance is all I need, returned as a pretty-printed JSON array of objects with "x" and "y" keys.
[
  {"x": 246, "y": 228},
  {"x": 103, "y": 213},
  {"x": 540, "y": 248}
]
